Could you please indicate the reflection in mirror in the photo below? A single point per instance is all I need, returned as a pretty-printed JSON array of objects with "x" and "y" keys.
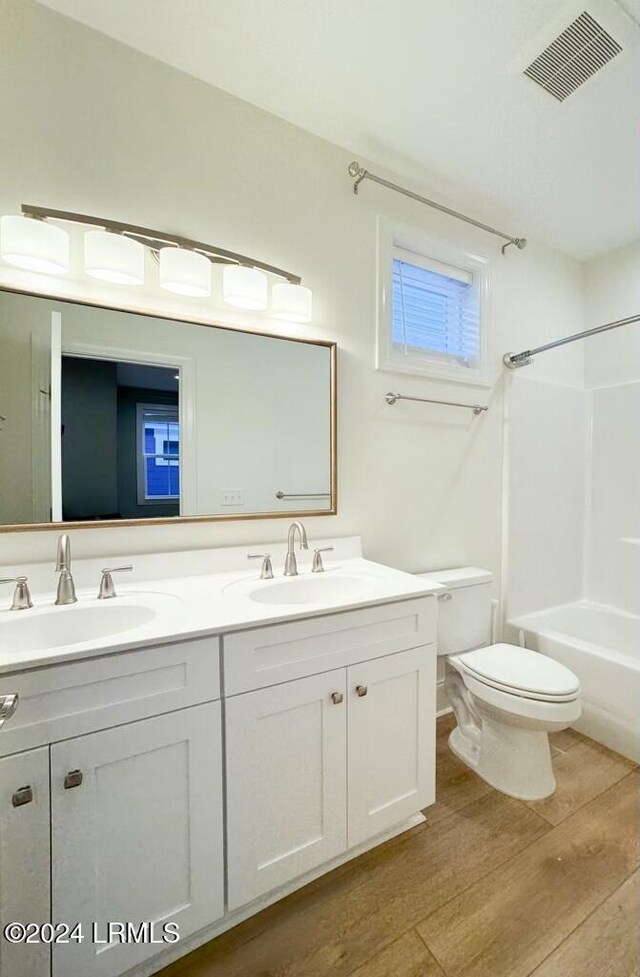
[
  {"x": 120, "y": 440},
  {"x": 108, "y": 415}
]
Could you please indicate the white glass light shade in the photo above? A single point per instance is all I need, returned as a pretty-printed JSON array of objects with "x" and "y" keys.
[
  {"x": 291, "y": 302},
  {"x": 246, "y": 288},
  {"x": 34, "y": 245},
  {"x": 184, "y": 272},
  {"x": 113, "y": 258}
]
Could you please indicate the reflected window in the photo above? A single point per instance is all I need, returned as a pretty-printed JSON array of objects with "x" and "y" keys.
[{"x": 158, "y": 453}]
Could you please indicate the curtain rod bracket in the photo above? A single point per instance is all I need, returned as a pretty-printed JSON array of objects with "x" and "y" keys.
[
  {"x": 358, "y": 173},
  {"x": 513, "y": 361},
  {"x": 520, "y": 243}
]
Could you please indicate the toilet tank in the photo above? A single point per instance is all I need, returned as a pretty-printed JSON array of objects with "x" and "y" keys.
[{"x": 464, "y": 610}]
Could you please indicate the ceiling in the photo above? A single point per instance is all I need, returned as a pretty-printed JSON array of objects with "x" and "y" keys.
[{"x": 432, "y": 89}]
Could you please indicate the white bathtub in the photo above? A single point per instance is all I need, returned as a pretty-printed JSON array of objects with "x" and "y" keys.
[{"x": 602, "y": 646}]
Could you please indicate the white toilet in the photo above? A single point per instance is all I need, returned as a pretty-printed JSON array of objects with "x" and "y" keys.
[{"x": 506, "y": 699}]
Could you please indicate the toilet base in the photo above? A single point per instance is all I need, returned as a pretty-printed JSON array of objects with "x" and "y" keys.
[{"x": 515, "y": 761}]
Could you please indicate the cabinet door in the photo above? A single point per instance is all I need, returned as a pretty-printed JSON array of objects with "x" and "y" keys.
[
  {"x": 139, "y": 839},
  {"x": 392, "y": 714},
  {"x": 24, "y": 858},
  {"x": 286, "y": 782}
]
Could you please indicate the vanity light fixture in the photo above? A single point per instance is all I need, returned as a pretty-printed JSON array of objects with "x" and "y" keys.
[
  {"x": 113, "y": 258},
  {"x": 245, "y": 288},
  {"x": 291, "y": 303},
  {"x": 34, "y": 245},
  {"x": 184, "y": 272},
  {"x": 115, "y": 252}
]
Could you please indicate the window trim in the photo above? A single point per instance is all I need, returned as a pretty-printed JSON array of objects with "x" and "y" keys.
[
  {"x": 410, "y": 244},
  {"x": 141, "y": 410}
]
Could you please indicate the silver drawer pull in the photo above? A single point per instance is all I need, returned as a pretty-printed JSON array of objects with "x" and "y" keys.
[
  {"x": 361, "y": 690},
  {"x": 8, "y": 705},
  {"x": 445, "y": 596},
  {"x": 24, "y": 795},
  {"x": 336, "y": 698},
  {"x": 73, "y": 779}
]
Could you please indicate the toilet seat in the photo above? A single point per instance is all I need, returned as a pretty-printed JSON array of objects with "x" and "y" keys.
[
  {"x": 519, "y": 672},
  {"x": 522, "y": 708}
]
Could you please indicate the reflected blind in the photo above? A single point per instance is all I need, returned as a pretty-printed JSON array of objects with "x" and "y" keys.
[{"x": 435, "y": 311}]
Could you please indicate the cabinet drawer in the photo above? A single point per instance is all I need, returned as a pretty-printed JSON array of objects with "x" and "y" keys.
[
  {"x": 61, "y": 701},
  {"x": 278, "y": 653}
]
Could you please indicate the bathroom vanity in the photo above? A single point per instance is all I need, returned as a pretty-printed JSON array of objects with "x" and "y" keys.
[{"x": 203, "y": 744}]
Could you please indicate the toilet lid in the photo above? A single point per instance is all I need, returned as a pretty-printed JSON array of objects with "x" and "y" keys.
[{"x": 524, "y": 672}]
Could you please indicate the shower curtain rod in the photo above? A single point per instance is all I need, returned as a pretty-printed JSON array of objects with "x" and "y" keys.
[
  {"x": 515, "y": 360},
  {"x": 359, "y": 173}
]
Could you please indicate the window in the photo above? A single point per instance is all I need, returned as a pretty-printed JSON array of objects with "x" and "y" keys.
[
  {"x": 430, "y": 312},
  {"x": 158, "y": 453},
  {"x": 434, "y": 312}
]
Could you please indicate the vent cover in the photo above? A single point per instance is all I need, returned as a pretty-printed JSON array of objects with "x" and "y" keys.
[{"x": 573, "y": 57}]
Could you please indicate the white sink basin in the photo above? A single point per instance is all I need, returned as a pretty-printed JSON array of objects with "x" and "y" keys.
[
  {"x": 53, "y": 627},
  {"x": 320, "y": 589}
]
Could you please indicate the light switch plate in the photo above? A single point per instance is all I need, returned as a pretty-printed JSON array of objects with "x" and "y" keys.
[{"x": 231, "y": 496}]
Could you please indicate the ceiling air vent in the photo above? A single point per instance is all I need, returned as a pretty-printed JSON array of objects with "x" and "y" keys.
[{"x": 573, "y": 57}]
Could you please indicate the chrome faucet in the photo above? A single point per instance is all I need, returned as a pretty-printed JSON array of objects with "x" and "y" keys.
[
  {"x": 66, "y": 588},
  {"x": 290, "y": 565}
]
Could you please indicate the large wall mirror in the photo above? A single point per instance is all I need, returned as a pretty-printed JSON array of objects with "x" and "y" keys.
[{"x": 109, "y": 416}]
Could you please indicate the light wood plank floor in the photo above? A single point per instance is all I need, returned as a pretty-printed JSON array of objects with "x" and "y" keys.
[{"x": 489, "y": 887}]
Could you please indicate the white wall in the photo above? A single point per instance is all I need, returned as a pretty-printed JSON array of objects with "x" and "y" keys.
[
  {"x": 613, "y": 292},
  {"x": 91, "y": 126}
]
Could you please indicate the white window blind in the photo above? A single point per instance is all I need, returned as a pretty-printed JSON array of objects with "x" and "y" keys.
[{"x": 435, "y": 311}]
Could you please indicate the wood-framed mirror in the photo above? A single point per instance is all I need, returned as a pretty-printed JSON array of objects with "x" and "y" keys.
[{"x": 113, "y": 417}]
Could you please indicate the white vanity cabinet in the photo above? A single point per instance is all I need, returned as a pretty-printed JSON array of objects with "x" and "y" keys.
[
  {"x": 391, "y": 740},
  {"x": 122, "y": 823},
  {"x": 24, "y": 858},
  {"x": 286, "y": 782},
  {"x": 115, "y": 772},
  {"x": 136, "y": 835},
  {"x": 324, "y": 763}
]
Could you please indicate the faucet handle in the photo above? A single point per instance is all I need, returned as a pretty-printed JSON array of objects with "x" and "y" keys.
[
  {"x": 8, "y": 705},
  {"x": 266, "y": 573},
  {"x": 21, "y": 595},
  {"x": 107, "y": 590},
  {"x": 317, "y": 566}
]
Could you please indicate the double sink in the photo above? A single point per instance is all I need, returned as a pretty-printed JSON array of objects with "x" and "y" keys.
[
  {"x": 90, "y": 620},
  {"x": 182, "y": 605}
]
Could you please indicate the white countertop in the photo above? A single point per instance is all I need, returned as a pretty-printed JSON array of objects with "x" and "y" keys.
[{"x": 192, "y": 606}]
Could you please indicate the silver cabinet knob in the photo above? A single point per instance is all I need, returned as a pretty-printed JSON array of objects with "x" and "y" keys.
[
  {"x": 8, "y": 705},
  {"x": 24, "y": 795},
  {"x": 73, "y": 779},
  {"x": 336, "y": 698},
  {"x": 361, "y": 690},
  {"x": 445, "y": 596}
]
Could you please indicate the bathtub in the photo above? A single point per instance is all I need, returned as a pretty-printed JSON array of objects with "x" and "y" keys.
[{"x": 602, "y": 646}]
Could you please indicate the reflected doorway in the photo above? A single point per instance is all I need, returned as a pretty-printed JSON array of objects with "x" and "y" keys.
[{"x": 120, "y": 440}]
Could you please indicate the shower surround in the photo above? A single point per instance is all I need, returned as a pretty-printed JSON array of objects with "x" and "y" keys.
[{"x": 573, "y": 548}]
